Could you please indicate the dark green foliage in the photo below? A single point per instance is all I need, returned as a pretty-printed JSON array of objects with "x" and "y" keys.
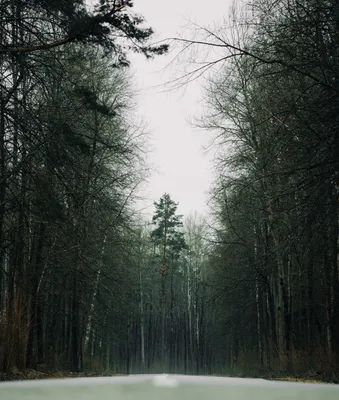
[
  {"x": 91, "y": 102},
  {"x": 75, "y": 23},
  {"x": 166, "y": 219}
]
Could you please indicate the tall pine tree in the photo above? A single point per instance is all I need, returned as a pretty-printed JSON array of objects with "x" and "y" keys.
[{"x": 169, "y": 238}]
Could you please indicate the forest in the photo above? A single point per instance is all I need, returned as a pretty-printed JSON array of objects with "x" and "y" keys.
[{"x": 86, "y": 283}]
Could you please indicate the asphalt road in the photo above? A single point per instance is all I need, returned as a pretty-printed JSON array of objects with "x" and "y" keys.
[{"x": 165, "y": 387}]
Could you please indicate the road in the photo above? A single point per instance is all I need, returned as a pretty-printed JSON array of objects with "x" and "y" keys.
[{"x": 165, "y": 387}]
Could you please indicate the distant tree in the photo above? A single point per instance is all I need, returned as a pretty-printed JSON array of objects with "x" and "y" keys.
[{"x": 169, "y": 238}]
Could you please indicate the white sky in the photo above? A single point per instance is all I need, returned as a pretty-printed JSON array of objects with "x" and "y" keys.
[{"x": 184, "y": 170}]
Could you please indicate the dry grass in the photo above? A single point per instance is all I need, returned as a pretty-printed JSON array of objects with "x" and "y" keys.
[{"x": 305, "y": 380}]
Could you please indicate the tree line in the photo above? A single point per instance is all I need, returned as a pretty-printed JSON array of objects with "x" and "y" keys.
[
  {"x": 71, "y": 158},
  {"x": 273, "y": 107}
]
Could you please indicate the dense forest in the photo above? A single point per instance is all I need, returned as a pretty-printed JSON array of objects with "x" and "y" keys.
[{"x": 86, "y": 283}]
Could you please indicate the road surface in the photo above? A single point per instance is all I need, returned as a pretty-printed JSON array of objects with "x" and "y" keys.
[{"x": 165, "y": 387}]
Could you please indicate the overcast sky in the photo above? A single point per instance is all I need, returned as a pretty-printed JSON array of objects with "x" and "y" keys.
[{"x": 183, "y": 169}]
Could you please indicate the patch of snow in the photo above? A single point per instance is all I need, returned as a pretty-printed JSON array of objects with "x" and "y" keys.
[{"x": 165, "y": 381}]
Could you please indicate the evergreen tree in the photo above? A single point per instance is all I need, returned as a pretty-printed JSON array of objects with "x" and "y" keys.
[
  {"x": 74, "y": 21},
  {"x": 168, "y": 237}
]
